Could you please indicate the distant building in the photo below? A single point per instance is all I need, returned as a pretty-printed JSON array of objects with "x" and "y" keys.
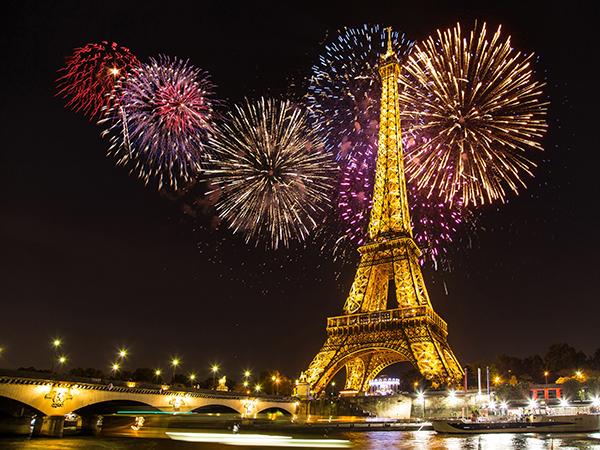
[{"x": 384, "y": 386}]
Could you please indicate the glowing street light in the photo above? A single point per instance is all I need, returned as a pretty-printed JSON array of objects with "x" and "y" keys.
[
  {"x": 533, "y": 403},
  {"x": 157, "y": 373},
  {"x": 123, "y": 353},
  {"x": 504, "y": 405},
  {"x": 115, "y": 367},
  {"x": 497, "y": 380},
  {"x": 257, "y": 388},
  {"x": 192, "y": 378},
  {"x": 56, "y": 343},
  {"x": 214, "y": 369},
  {"x": 175, "y": 362},
  {"x": 546, "y": 373},
  {"x": 62, "y": 359},
  {"x": 275, "y": 379},
  {"x": 247, "y": 374},
  {"x": 332, "y": 387},
  {"x": 596, "y": 402},
  {"x": 564, "y": 402}
]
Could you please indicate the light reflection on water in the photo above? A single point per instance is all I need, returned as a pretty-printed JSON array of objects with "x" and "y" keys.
[{"x": 382, "y": 440}]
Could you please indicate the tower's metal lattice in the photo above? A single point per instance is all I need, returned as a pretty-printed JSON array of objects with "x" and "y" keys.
[{"x": 370, "y": 335}]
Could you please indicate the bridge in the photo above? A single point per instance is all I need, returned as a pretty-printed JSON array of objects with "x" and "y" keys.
[{"x": 54, "y": 398}]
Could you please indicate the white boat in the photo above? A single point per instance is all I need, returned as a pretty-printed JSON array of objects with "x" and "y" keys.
[{"x": 538, "y": 423}]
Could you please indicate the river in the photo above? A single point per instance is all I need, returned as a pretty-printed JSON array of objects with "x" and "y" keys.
[{"x": 382, "y": 440}]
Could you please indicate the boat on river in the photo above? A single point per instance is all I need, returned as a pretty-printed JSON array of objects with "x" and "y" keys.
[{"x": 536, "y": 423}]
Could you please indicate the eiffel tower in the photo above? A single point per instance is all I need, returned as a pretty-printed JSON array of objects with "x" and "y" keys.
[{"x": 371, "y": 334}]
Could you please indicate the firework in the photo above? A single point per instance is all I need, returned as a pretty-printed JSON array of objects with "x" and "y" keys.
[
  {"x": 345, "y": 89},
  {"x": 160, "y": 121},
  {"x": 477, "y": 99},
  {"x": 435, "y": 222},
  {"x": 272, "y": 171},
  {"x": 90, "y": 74}
]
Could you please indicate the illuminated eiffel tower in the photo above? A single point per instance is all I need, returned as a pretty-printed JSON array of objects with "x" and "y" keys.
[{"x": 371, "y": 334}]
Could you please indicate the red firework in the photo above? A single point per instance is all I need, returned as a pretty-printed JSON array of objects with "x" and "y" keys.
[{"x": 90, "y": 74}]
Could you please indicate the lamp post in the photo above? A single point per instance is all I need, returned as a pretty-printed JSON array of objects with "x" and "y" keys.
[
  {"x": 333, "y": 388},
  {"x": 56, "y": 343},
  {"x": 115, "y": 368},
  {"x": 257, "y": 388},
  {"x": 192, "y": 378},
  {"x": 214, "y": 369},
  {"x": 175, "y": 362},
  {"x": 62, "y": 360},
  {"x": 157, "y": 373}
]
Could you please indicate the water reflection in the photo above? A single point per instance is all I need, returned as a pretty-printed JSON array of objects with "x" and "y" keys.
[{"x": 374, "y": 440}]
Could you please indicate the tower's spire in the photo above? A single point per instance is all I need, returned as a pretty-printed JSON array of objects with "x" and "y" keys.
[
  {"x": 389, "y": 215},
  {"x": 390, "y": 51}
]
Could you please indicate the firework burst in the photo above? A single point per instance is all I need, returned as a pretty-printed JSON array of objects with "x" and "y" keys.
[
  {"x": 272, "y": 171},
  {"x": 160, "y": 121},
  {"x": 344, "y": 89},
  {"x": 478, "y": 101},
  {"x": 90, "y": 74},
  {"x": 435, "y": 222}
]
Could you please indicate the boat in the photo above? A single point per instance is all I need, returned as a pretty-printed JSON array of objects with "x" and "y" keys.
[{"x": 537, "y": 423}]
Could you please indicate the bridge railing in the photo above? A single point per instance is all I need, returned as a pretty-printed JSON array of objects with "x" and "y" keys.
[
  {"x": 388, "y": 315},
  {"x": 37, "y": 378}
]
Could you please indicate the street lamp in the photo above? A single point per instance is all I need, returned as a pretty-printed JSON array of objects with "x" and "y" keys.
[
  {"x": 546, "y": 373},
  {"x": 122, "y": 353},
  {"x": 115, "y": 367},
  {"x": 157, "y": 374},
  {"x": 275, "y": 379},
  {"x": 62, "y": 360},
  {"x": 192, "y": 378},
  {"x": 214, "y": 369},
  {"x": 332, "y": 387},
  {"x": 56, "y": 343},
  {"x": 257, "y": 388},
  {"x": 247, "y": 374},
  {"x": 174, "y": 363}
]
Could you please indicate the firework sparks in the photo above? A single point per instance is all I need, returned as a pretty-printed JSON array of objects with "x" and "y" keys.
[
  {"x": 160, "y": 121},
  {"x": 90, "y": 74},
  {"x": 435, "y": 222},
  {"x": 478, "y": 101},
  {"x": 272, "y": 171},
  {"x": 345, "y": 88}
]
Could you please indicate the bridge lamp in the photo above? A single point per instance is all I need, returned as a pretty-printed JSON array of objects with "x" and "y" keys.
[
  {"x": 123, "y": 353},
  {"x": 247, "y": 374},
  {"x": 175, "y": 362},
  {"x": 157, "y": 373},
  {"x": 564, "y": 402},
  {"x": 497, "y": 380},
  {"x": 245, "y": 383},
  {"x": 546, "y": 373},
  {"x": 115, "y": 367},
  {"x": 214, "y": 368},
  {"x": 192, "y": 378},
  {"x": 258, "y": 388},
  {"x": 56, "y": 343},
  {"x": 533, "y": 403}
]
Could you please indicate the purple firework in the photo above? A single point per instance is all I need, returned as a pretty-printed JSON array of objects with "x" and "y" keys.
[
  {"x": 160, "y": 121},
  {"x": 435, "y": 222}
]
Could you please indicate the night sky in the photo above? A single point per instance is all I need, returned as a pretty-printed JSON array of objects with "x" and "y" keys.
[{"x": 88, "y": 253}]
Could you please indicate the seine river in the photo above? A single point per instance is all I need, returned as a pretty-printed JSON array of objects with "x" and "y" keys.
[{"x": 383, "y": 440}]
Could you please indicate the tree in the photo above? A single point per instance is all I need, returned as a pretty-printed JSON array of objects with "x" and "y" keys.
[{"x": 560, "y": 357}]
